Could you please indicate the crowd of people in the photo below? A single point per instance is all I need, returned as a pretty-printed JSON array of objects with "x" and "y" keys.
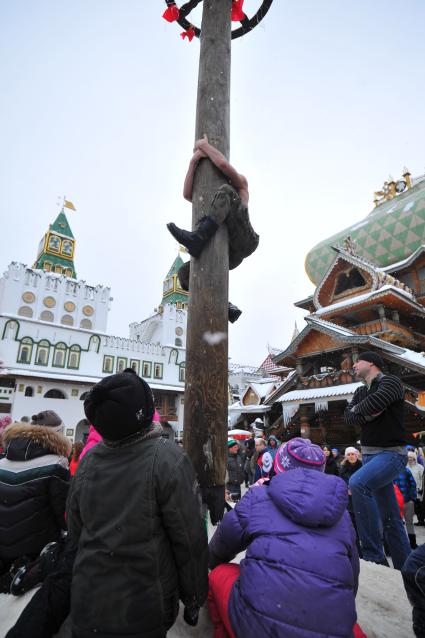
[{"x": 113, "y": 531}]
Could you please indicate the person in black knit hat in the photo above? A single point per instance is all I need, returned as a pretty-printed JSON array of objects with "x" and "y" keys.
[
  {"x": 377, "y": 407},
  {"x": 134, "y": 515}
]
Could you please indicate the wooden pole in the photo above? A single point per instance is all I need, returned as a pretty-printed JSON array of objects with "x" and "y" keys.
[{"x": 205, "y": 414}]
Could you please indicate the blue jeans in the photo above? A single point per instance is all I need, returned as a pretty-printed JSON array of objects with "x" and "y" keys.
[{"x": 374, "y": 499}]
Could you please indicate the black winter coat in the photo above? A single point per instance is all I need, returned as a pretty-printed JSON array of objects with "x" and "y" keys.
[
  {"x": 134, "y": 511},
  {"x": 235, "y": 469},
  {"x": 346, "y": 471},
  {"x": 331, "y": 466},
  {"x": 34, "y": 482}
]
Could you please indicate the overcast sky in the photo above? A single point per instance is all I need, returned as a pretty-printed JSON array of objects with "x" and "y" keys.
[{"x": 98, "y": 104}]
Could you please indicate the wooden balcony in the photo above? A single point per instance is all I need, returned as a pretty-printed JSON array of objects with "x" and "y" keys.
[{"x": 380, "y": 327}]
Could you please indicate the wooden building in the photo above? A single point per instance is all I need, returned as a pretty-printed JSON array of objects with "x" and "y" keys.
[{"x": 356, "y": 306}]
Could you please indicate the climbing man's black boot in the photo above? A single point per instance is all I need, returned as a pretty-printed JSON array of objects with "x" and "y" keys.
[
  {"x": 196, "y": 240},
  {"x": 233, "y": 313}
]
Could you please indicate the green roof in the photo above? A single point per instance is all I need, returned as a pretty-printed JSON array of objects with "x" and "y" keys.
[
  {"x": 177, "y": 264},
  {"x": 172, "y": 293},
  {"x": 392, "y": 232},
  {"x": 57, "y": 248},
  {"x": 61, "y": 226}
]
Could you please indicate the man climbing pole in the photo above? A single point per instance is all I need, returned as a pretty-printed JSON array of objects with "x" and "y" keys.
[
  {"x": 229, "y": 206},
  {"x": 222, "y": 237}
]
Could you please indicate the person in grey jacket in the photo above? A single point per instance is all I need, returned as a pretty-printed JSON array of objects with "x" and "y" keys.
[
  {"x": 235, "y": 469},
  {"x": 134, "y": 515}
]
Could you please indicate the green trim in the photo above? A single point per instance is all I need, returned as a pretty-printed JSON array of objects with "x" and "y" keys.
[
  {"x": 118, "y": 364},
  {"x": 24, "y": 345},
  {"x": 74, "y": 349},
  {"x": 149, "y": 363},
  {"x": 57, "y": 349},
  {"x": 137, "y": 362},
  {"x": 177, "y": 357},
  {"x": 5, "y": 327},
  {"x": 42, "y": 347},
  {"x": 155, "y": 376},
  {"x": 110, "y": 356},
  {"x": 182, "y": 366},
  {"x": 98, "y": 343}
]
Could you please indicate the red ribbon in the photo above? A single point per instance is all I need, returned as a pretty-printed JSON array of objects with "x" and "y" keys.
[
  {"x": 189, "y": 34},
  {"x": 172, "y": 13},
  {"x": 237, "y": 13}
]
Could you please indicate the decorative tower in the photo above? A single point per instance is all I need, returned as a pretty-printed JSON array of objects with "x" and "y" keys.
[
  {"x": 172, "y": 291},
  {"x": 56, "y": 249}
]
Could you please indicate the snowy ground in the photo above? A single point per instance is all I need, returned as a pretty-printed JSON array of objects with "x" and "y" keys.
[{"x": 382, "y": 607}]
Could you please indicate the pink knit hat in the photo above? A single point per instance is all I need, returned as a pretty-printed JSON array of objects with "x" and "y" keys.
[{"x": 299, "y": 453}]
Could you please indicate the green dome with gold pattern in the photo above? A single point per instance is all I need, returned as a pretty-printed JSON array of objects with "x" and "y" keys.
[{"x": 390, "y": 233}]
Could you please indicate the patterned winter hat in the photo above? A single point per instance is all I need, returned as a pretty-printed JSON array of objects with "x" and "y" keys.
[
  {"x": 231, "y": 443},
  {"x": 267, "y": 462},
  {"x": 299, "y": 453}
]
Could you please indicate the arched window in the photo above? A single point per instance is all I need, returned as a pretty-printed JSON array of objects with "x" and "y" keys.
[
  {"x": 54, "y": 393},
  {"x": 25, "y": 311},
  {"x": 59, "y": 355},
  {"x": 29, "y": 391},
  {"x": 25, "y": 350},
  {"x": 182, "y": 372},
  {"x": 74, "y": 357},
  {"x": 178, "y": 342},
  {"x": 67, "y": 320},
  {"x": 94, "y": 343},
  {"x": 11, "y": 329},
  {"x": 86, "y": 323},
  {"x": 42, "y": 355},
  {"x": 46, "y": 315}
]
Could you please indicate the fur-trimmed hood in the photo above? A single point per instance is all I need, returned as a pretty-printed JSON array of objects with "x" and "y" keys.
[{"x": 36, "y": 440}]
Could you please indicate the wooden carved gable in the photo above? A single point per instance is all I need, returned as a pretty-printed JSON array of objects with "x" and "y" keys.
[
  {"x": 315, "y": 342},
  {"x": 346, "y": 277},
  {"x": 250, "y": 397}
]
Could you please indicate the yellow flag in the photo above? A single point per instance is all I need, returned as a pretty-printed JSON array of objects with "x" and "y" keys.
[{"x": 68, "y": 204}]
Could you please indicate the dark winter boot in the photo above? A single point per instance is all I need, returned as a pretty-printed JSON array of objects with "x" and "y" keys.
[
  {"x": 412, "y": 541},
  {"x": 233, "y": 313},
  {"x": 196, "y": 240}
]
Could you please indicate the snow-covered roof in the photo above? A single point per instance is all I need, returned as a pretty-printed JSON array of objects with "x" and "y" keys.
[
  {"x": 307, "y": 396},
  {"x": 248, "y": 409},
  {"x": 414, "y": 357},
  {"x": 344, "y": 332},
  {"x": 405, "y": 262},
  {"x": 262, "y": 389},
  {"x": 351, "y": 301}
]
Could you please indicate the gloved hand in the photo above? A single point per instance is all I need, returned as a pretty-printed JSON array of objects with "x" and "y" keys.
[{"x": 191, "y": 615}]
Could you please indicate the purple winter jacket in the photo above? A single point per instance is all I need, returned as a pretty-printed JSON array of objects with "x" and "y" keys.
[{"x": 300, "y": 574}]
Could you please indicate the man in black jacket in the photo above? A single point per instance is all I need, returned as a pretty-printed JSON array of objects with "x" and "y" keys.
[
  {"x": 135, "y": 515},
  {"x": 377, "y": 407}
]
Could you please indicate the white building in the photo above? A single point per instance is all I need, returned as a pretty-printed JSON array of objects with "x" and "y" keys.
[{"x": 54, "y": 344}]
